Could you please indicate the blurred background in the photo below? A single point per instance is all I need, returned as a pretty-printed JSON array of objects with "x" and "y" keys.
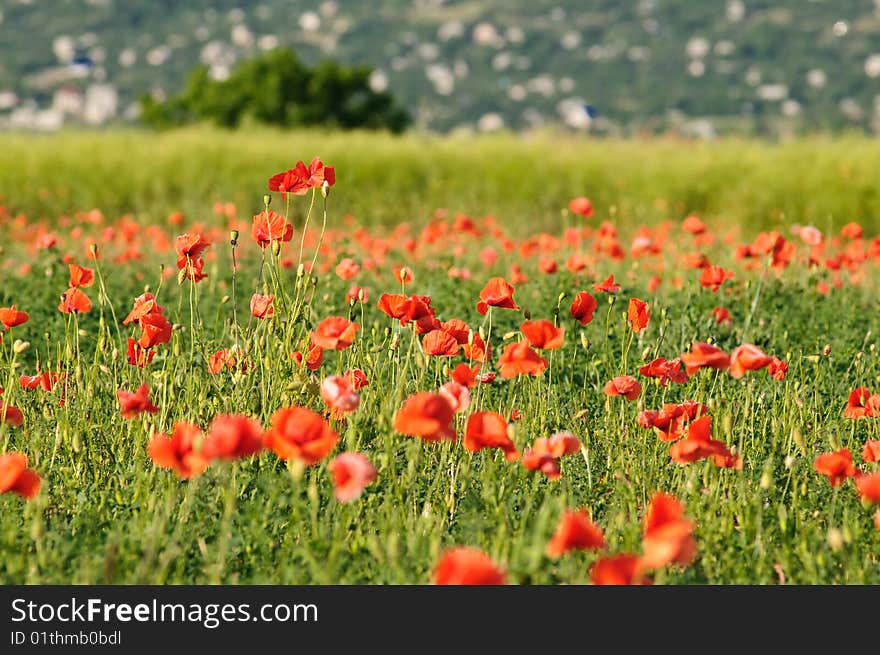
[{"x": 701, "y": 68}]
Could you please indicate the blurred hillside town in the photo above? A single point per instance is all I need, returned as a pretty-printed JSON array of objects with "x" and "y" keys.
[{"x": 699, "y": 68}]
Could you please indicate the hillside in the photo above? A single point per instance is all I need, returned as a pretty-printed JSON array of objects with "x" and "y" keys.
[{"x": 716, "y": 66}]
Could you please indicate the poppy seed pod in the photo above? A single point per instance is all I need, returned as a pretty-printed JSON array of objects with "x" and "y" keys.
[
  {"x": 233, "y": 237},
  {"x": 267, "y": 200}
]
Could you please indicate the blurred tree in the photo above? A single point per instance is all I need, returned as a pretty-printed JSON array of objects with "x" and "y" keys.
[{"x": 276, "y": 88}]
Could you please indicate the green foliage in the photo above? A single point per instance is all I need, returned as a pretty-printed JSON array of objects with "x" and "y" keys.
[{"x": 276, "y": 88}]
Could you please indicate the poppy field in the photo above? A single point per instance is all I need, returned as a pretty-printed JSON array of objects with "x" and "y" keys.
[{"x": 304, "y": 359}]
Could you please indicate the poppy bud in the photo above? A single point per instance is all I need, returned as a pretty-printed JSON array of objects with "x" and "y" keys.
[
  {"x": 835, "y": 539},
  {"x": 789, "y": 461},
  {"x": 325, "y": 189},
  {"x": 93, "y": 248},
  {"x": 527, "y": 314},
  {"x": 104, "y": 369},
  {"x": 300, "y": 270},
  {"x": 826, "y": 350},
  {"x": 233, "y": 237},
  {"x": 482, "y": 333},
  {"x": 224, "y": 300},
  {"x": 766, "y": 478},
  {"x": 584, "y": 341},
  {"x": 646, "y": 353},
  {"x": 395, "y": 341},
  {"x": 509, "y": 335},
  {"x": 470, "y": 339},
  {"x": 20, "y": 346},
  {"x": 276, "y": 247},
  {"x": 181, "y": 276},
  {"x": 267, "y": 200},
  {"x": 114, "y": 355}
]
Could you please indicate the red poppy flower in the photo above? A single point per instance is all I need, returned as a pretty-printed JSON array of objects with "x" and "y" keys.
[
  {"x": 868, "y": 487},
  {"x": 836, "y": 466},
  {"x": 301, "y": 434},
  {"x": 189, "y": 255},
  {"x": 544, "y": 453},
  {"x": 132, "y": 404},
  {"x": 457, "y": 329},
  {"x": 543, "y": 334},
  {"x": 440, "y": 343},
  {"x": 10, "y": 317},
  {"x": 698, "y": 444},
  {"x": 671, "y": 420},
  {"x": 478, "y": 351},
  {"x": 457, "y": 394},
  {"x": 317, "y": 174},
  {"x": 638, "y": 314},
  {"x": 519, "y": 359},
  {"x": 74, "y": 301},
  {"x": 777, "y": 368},
  {"x": 618, "y": 570},
  {"x": 581, "y": 206},
  {"x": 314, "y": 357},
  {"x": 81, "y": 276},
  {"x": 713, "y": 277},
  {"x": 623, "y": 385},
  {"x": 47, "y": 380},
  {"x": 862, "y": 404},
  {"x": 232, "y": 436},
  {"x": 426, "y": 415},
  {"x": 262, "y": 306},
  {"x": 465, "y": 375},
  {"x": 583, "y": 306},
  {"x": 16, "y": 477},
  {"x": 667, "y": 537},
  {"x": 497, "y": 293},
  {"x": 357, "y": 377},
  {"x": 575, "y": 531},
  {"x": 294, "y": 181},
  {"x": 335, "y": 333},
  {"x": 489, "y": 430},
  {"x": 144, "y": 304},
  {"x": 155, "y": 329},
  {"x": 852, "y": 231},
  {"x": 748, "y": 357},
  {"x": 269, "y": 226},
  {"x": 721, "y": 315},
  {"x": 351, "y": 472},
  {"x": 871, "y": 451},
  {"x": 467, "y": 566},
  {"x": 664, "y": 371},
  {"x": 138, "y": 355},
  {"x": 704, "y": 355},
  {"x": 224, "y": 359},
  {"x": 693, "y": 225},
  {"x": 608, "y": 285},
  {"x": 338, "y": 393},
  {"x": 347, "y": 268},
  {"x": 179, "y": 451}
]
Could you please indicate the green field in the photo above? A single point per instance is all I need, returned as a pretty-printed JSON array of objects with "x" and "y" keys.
[{"x": 106, "y": 514}]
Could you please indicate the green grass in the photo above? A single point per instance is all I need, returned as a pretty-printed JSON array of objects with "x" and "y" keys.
[
  {"x": 107, "y": 514},
  {"x": 521, "y": 180}
]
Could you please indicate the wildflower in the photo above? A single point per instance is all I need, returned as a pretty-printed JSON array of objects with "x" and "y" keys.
[
  {"x": 335, "y": 333},
  {"x": 836, "y": 466},
  {"x": 262, "y": 306},
  {"x": 426, "y": 415},
  {"x": 862, "y": 404},
  {"x": 438, "y": 342},
  {"x": 608, "y": 285},
  {"x": 777, "y": 368},
  {"x": 10, "y": 317},
  {"x": 298, "y": 433},
  {"x": 81, "y": 276},
  {"x": 713, "y": 277},
  {"x": 620, "y": 569},
  {"x": 351, "y": 472},
  {"x": 583, "y": 306},
  {"x": 155, "y": 329},
  {"x": 347, "y": 268},
  {"x": 721, "y": 315},
  {"x": 748, "y": 357},
  {"x": 704, "y": 355},
  {"x": 519, "y": 359},
  {"x": 338, "y": 393},
  {"x": 868, "y": 487},
  {"x": 581, "y": 206},
  {"x": 575, "y": 531},
  {"x": 545, "y": 453},
  {"x": 489, "y": 430},
  {"x": 458, "y": 396},
  {"x": 74, "y": 301},
  {"x": 667, "y": 537},
  {"x": 179, "y": 451},
  {"x": 467, "y": 566},
  {"x": 232, "y": 436},
  {"x": 871, "y": 451},
  {"x": 270, "y": 226},
  {"x": 664, "y": 371},
  {"x": 189, "y": 255},
  {"x": 16, "y": 477},
  {"x": 465, "y": 375},
  {"x": 543, "y": 334},
  {"x": 497, "y": 293},
  {"x": 623, "y": 385},
  {"x": 638, "y": 314},
  {"x": 132, "y": 404}
]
